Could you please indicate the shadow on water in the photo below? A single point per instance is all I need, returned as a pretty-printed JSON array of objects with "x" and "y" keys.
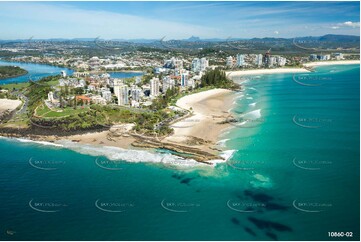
[
  {"x": 272, "y": 235},
  {"x": 258, "y": 197},
  {"x": 269, "y": 225},
  {"x": 235, "y": 221},
  {"x": 250, "y": 231},
  {"x": 276, "y": 207},
  {"x": 183, "y": 179}
]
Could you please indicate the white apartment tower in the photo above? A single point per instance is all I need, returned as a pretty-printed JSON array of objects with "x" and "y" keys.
[
  {"x": 258, "y": 60},
  {"x": 240, "y": 60},
  {"x": 121, "y": 91},
  {"x": 154, "y": 87}
]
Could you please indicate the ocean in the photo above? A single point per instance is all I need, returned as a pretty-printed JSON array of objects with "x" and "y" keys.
[{"x": 292, "y": 174}]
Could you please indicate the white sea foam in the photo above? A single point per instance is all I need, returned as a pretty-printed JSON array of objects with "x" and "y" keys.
[
  {"x": 261, "y": 181},
  {"x": 244, "y": 81},
  {"x": 242, "y": 123},
  {"x": 130, "y": 155},
  {"x": 252, "y": 104},
  {"x": 226, "y": 155},
  {"x": 250, "y": 98},
  {"x": 253, "y": 114},
  {"x": 239, "y": 96},
  {"x": 222, "y": 142},
  {"x": 38, "y": 142}
]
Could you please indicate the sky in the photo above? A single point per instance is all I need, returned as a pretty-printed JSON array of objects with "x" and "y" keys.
[{"x": 176, "y": 20}]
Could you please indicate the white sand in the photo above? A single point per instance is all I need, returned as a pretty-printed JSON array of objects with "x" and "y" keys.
[
  {"x": 265, "y": 71},
  {"x": 8, "y": 104},
  {"x": 209, "y": 108},
  {"x": 326, "y": 63}
]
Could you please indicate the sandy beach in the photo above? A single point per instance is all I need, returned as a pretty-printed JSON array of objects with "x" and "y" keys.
[
  {"x": 265, "y": 71},
  {"x": 8, "y": 104},
  {"x": 110, "y": 137},
  {"x": 327, "y": 63},
  {"x": 203, "y": 128}
]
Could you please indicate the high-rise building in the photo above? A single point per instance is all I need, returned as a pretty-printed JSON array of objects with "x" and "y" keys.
[
  {"x": 338, "y": 56},
  {"x": 184, "y": 79},
  {"x": 324, "y": 57},
  {"x": 313, "y": 57},
  {"x": 203, "y": 64},
  {"x": 107, "y": 95},
  {"x": 63, "y": 74},
  {"x": 196, "y": 65},
  {"x": 267, "y": 59},
  {"x": 173, "y": 63},
  {"x": 168, "y": 83},
  {"x": 199, "y": 64},
  {"x": 229, "y": 61},
  {"x": 51, "y": 97},
  {"x": 281, "y": 61},
  {"x": 154, "y": 87},
  {"x": 258, "y": 60},
  {"x": 121, "y": 91},
  {"x": 135, "y": 93},
  {"x": 240, "y": 60},
  {"x": 272, "y": 61}
]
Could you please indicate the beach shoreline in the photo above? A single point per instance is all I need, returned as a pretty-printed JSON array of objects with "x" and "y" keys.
[
  {"x": 8, "y": 107},
  {"x": 266, "y": 71},
  {"x": 209, "y": 112},
  {"x": 307, "y": 67},
  {"x": 329, "y": 63}
]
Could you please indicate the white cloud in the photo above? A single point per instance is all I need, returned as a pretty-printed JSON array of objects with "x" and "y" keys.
[
  {"x": 347, "y": 24},
  {"x": 352, "y": 24},
  {"x": 69, "y": 22},
  {"x": 276, "y": 32}
]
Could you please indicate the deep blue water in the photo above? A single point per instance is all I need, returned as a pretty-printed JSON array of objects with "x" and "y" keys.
[{"x": 294, "y": 175}]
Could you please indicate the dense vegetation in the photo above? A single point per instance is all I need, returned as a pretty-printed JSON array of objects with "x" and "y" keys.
[
  {"x": 217, "y": 78},
  {"x": 11, "y": 71},
  {"x": 38, "y": 91}
]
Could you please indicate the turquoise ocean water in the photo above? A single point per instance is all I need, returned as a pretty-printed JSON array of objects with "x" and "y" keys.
[{"x": 293, "y": 175}]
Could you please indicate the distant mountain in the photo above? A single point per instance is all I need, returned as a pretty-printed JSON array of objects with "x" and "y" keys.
[
  {"x": 193, "y": 39},
  {"x": 332, "y": 38},
  {"x": 339, "y": 38},
  {"x": 325, "y": 38}
]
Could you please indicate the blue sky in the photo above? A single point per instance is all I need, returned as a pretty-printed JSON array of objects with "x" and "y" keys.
[{"x": 176, "y": 20}]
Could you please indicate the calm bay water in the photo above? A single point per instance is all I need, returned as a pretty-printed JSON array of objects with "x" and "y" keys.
[
  {"x": 35, "y": 71},
  {"x": 124, "y": 74},
  {"x": 38, "y": 71},
  {"x": 294, "y": 175}
]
